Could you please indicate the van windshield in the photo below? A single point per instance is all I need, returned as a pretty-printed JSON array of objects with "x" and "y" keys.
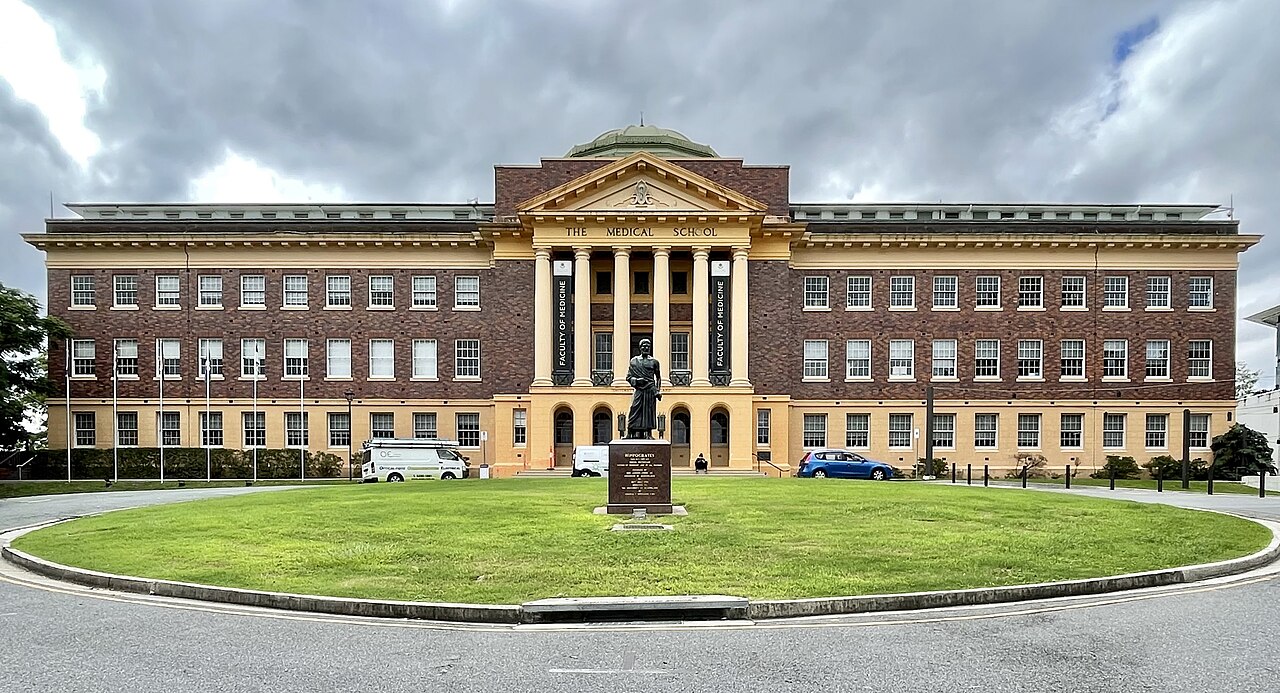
[
  {"x": 447, "y": 454},
  {"x": 364, "y": 457}
]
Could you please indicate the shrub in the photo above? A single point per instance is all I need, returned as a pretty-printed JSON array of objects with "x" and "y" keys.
[
  {"x": 1241, "y": 451},
  {"x": 933, "y": 467},
  {"x": 1125, "y": 468},
  {"x": 1034, "y": 463}
]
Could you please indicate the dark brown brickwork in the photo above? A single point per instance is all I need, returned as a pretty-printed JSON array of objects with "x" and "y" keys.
[
  {"x": 780, "y": 326},
  {"x": 504, "y": 325},
  {"x": 767, "y": 184}
]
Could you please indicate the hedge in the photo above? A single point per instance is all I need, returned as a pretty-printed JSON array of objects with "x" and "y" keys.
[{"x": 180, "y": 463}]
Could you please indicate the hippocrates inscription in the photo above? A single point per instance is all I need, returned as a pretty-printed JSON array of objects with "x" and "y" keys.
[{"x": 640, "y": 475}]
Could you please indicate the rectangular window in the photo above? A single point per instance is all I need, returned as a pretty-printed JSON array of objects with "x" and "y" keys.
[
  {"x": 1030, "y": 358},
  {"x": 1200, "y": 292},
  {"x": 1200, "y": 358},
  {"x": 944, "y": 358},
  {"x": 1157, "y": 430},
  {"x": 902, "y": 358},
  {"x": 339, "y": 429},
  {"x": 857, "y": 359},
  {"x": 167, "y": 290},
  {"x": 604, "y": 283},
  {"x": 255, "y": 429},
  {"x": 382, "y": 291},
  {"x": 296, "y": 433},
  {"x": 1073, "y": 292},
  {"x": 762, "y": 427},
  {"x": 1030, "y": 292},
  {"x": 680, "y": 283},
  {"x": 82, "y": 290},
  {"x": 986, "y": 358},
  {"x": 944, "y": 430},
  {"x": 1073, "y": 358},
  {"x": 253, "y": 290},
  {"x": 520, "y": 427},
  {"x": 899, "y": 431},
  {"x": 424, "y": 292},
  {"x": 211, "y": 429},
  {"x": 83, "y": 355},
  {"x": 902, "y": 292},
  {"x": 253, "y": 353},
  {"x": 295, "y": 290},
  {"x": 338, "y": 358},
  {"x": 815, "y": 430},
  {"x": 1157, "y": 292},
  {"x": 945, "y": 292},
  {"x": 424, "y": 359},
  {"x": 1199, "y": 431},
  {"x": 679, "y": 351},
  {"x": 1113, "y": 431},
  {"x": 641, "y": 280},
  {"x": 382, "y": 425},
  {"x": 984, "y": 430},
  {"x": 171, "y": 429},
  {"x": 815, "y": 292},
  {"x": 858, "y": 292},
  {"x": 1116, "y": 292},
  {"x": 210, "y": 290},
  {"x": 1115, "y": 358},
  {"x": 170, "y": 358},
  {"x": 210, "y": 352},
  {"x": 988, "y": 292},
  {"x": 296, "y": 358},
  {"x": 126, "y": 290},
  {"x": 86, "y": 426},
  {"x": 382, "y": 361},
  {"x": 857, "y": 430},
  {"x": 815, "y": 358},
  {"x": 1072, "y": 431},
  {"x": 1028, "y": 430},
  {"x": 466, "y": 292},
  {"x": 127, "y": 358},
  {"x": 337, "y": 292},
  {"x": 424, "y": 425},
  {"x": 127, "y": 429},
  {"x": 604, "y": 352},
  {"x": 1158, "y": 358},
  {"x": 466, "y": 358},
  {"x": 468, "y": 430}
]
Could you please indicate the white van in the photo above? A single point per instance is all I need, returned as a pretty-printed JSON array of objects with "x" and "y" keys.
[
  {"x": 591, "y": 460},
  {"x": 401, "y": 459}
]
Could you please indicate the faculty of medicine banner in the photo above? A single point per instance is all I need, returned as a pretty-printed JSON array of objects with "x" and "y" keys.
[
  {"x": 562, "y": 318},
  {"x": 720, "y": 316}
]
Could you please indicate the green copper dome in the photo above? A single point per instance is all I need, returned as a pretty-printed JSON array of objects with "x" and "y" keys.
[{"x": 636, "y": 138}]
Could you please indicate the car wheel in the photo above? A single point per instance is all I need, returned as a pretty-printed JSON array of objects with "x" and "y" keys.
[
  {"x": 448, "y": 475},
  {"x": 819, "y": 473},
  {"x": 877, "y": 474},
  {"x": 394, "y": 477}
]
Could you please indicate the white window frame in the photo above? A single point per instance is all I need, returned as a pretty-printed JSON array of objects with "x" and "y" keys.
[
  {"x": 86, "y": 429},
  {"x": 382, "y": 292},
  {"x": 209, "y": 294},
  {"x": 170, "y": 423},
  {"x": 986, "y": 350},
  {"x": 124, "y": 286},
  {"x": 519, "y": 427},
  {"x": 382, "y": 425},
  {"x": 814, "y": 425},
  {"x": 169, "y": 360},
  {"x": 209, "y": 351},
  {"x": 1161, "y": 430},
  {"x": 297, "y": 429},
  {"x": 382, "y": 359},
  {"x": 1115, "y": 359},
  {"x": 168, "y": 291},
  {"x": 817, "y": 292},
  {"x": 465, "y": 438},
  {"x": 946, "y": 287},
  {"x": 1073, "y": 362},
  {"x": 339, "y": 434},
  {"x": 858, "y": 292},
  {"x": 1110, "y": 430},
  {"x": 1200, "y": 293},
  {"x": 251, "y": 296},
  {"x": 126, "y": 358},
  {"x": 209, "y": 432},
  {"x": 126, "y": 437},
  {"x": 1159, "y": 293},
  {"x": 424, "y": 423},
  {"x": 944, "y": 424},
  {"x": 337, "y": 361},
  {"x": 466, "y": 298},
  {"x": 1199, "y": 367},
  {"x": 1030, "y": 359},
  {"x": 1157, "y": 366},
  {"x": 1115, "y": 292},
  {"x": 815, "y": 360},
  {"x": 1031, "y": 293},
  {"x": 902, "y": 359},
  {"x": 901, "y": 428},
  {"x": 84, "y": 291},
  {"x": 84, "y": 357},
  {"x": 337, "y": 291},
  {"x": 944, "y": 359},
  {"x": 1026, "y": 431},
  {"x": 251, "y": 368},
  {"x": 763, "y": 433},
  {"x": 253, "y": 429},
  {"x": 981, "y": 431},
  {"x": 1075, "y": 298},
  {"x": 902, "y": 292},
  {"x": 857, "y": 430},
  {"x": 983, "y": 294},
  {"x": 1198, "y": 432},
  {"x": 466, "y": 367},
  {"x": 857, "y": 359},
  {"x": 426, "y": 362},
  {"x": 1075, "y": 429},
  {"x": 294, "y": 297},
  {"x": 424, "y": 292},
  {"x": 300, "y": 368}
]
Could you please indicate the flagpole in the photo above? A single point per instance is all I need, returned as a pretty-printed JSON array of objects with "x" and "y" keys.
[
  {"x": 257, "y": 373},
  {"x": 302, "y": 451},
  {"x": 115, "y": 415},
  {"x": 208, "y": 421},
  {"x": 67, "y": 368},
  {"x": 160, "y": 415}
]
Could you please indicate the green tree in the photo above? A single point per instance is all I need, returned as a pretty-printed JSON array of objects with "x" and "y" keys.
[
  {"x": 1125, "y": 467},
  {"x": 1241, "y": 451},
  {"x": 24, "y": 381},
  {"x": 1246, "y": 379}
]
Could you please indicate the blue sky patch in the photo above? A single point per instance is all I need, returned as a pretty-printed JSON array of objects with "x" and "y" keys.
[{"x": 1128, "y": 40}]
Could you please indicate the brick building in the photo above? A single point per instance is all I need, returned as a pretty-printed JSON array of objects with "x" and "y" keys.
[{"x": 1073, "y": 331}]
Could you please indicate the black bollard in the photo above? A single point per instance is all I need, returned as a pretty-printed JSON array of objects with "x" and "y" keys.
[
  {"x": 968, "y": 474},
  {"x": 1211, "y": 478},
  {"x": 953, "y": 472},
  {"x": 984, "y": 475},
  {"x": 1159, "y": 479},
  {"x": 1068, "y": 477},
  {"x": 1112, "y": 476},
  {"x": 1024, "y": 477},
  {"x": 1262, "y": 484}
]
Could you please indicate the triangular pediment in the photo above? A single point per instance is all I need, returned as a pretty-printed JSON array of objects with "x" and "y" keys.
[{"x": 638, "y": 184}]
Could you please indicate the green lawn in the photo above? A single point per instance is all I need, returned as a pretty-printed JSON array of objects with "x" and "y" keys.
[
  {"x": 1174, "y": 485},
  {"x": 15, "y": 489},
  {"x": 508, "y": 540}
]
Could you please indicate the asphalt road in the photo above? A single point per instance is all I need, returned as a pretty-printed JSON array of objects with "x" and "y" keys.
[{"x": 1209, "y": 637}]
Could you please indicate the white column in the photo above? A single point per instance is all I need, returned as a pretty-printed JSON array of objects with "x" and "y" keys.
[
  {"x": 542, "y": 316},
  {"x": 662, "y": 311},
  {"x": 699, "y": 340},
  {"x": 738, "y": 320},
  {"x": 582, "y": 317},
  {"x": 621, "y": 314}
]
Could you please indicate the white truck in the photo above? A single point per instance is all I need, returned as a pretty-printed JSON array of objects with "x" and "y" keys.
[
  {"x": 401, "y": 459},
  {"x": 591, "y": 460}
]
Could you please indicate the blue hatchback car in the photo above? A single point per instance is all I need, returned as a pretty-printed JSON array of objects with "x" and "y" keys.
[{"x": 842, "y": 464}]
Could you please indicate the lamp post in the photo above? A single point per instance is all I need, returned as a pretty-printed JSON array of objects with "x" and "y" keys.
[{"x": 351, "y": 431}]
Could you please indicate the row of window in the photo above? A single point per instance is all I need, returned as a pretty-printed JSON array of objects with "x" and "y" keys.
[
  {"x": 296, "y": 364},
  {"x": 901, "y": 431},
  {"x": 987, "y": 293},
  {"x": 253, "y": 291},
  {"x": 1030, "y": 359},
  {"x": 296, "y": 428}
]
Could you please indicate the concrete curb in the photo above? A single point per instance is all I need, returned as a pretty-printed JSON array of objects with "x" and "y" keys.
[{"x": 636, "y": 608}]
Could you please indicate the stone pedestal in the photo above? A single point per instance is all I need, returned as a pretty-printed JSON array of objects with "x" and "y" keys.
[{"x": 639, "y": 477}]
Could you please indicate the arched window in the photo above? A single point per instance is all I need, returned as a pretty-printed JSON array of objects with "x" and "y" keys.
[
  {"x": 564, "y": 427},
  {"x": 719, "y": 428},
  {"x": 601, "y": 427},
  {"x": 680, "y": 428}
]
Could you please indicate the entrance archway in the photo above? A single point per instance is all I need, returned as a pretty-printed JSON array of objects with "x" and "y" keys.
[
  {"x": 601, "y": 426},
  {"x": 680, "y": 437},
  {"x": 563, "y": 436},
  {"x": 719, "y": 437}
]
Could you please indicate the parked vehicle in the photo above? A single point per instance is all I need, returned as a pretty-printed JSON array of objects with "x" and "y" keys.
[
  {"x": 842, "y": 464},
  {"x": 401, "y": 459},
  {"x": 591, "y": 460}
]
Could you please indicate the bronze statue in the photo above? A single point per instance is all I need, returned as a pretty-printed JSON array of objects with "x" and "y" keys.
[{"x": 645, "y": 375}]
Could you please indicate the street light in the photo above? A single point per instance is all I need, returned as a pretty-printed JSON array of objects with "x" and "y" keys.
[{"x": 351, "y": 431}]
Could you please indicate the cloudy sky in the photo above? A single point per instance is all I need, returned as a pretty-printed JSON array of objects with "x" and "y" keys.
[{"x": 244, "y": 101}]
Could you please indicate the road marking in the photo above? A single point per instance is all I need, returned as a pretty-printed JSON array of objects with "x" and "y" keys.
[{"x": 650, "y": 672}]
